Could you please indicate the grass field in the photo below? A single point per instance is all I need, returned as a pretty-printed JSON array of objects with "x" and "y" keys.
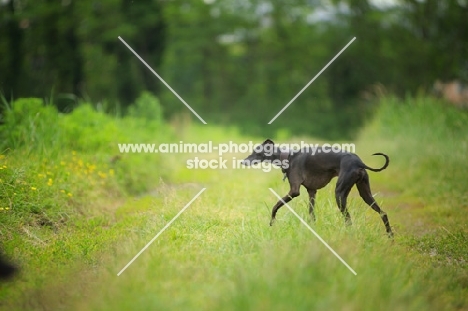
[{"x": 221, "y": 253}]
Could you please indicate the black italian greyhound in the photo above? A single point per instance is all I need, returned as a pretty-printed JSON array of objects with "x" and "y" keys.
[{"x": 315, "y": 170}]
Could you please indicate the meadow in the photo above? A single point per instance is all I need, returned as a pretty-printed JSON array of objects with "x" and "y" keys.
[{"x": 74, "y": 212}]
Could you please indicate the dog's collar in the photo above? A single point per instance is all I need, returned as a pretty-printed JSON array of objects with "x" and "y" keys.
[{"x": 284, "y": 156}]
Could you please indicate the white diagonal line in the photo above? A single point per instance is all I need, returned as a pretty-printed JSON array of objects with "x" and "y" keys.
[
  {"x": 316, "y": 76},
  {"x": 160, "y": 232},
  {"x": 162, "y": 80},
  {"x": 315, "y": 233}
]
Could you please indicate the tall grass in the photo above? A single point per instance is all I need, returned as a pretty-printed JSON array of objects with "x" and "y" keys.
[
  {"x": 60, "y": 174},
  {"x": 427, "y": 139}
]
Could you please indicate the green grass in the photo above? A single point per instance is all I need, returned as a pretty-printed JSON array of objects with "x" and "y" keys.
[
  {"x": 221, "y": 254},
  {"x": 60, "y": 181}
]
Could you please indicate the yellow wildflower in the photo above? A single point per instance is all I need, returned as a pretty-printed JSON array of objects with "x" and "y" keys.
[
  {"x": 50, "y": 182},
  {"x": 111, "y": 172},
  {"x": 33, "y": 188},
  {"x": 69, "y": 194},
  {"x": 62, "y": 191}
]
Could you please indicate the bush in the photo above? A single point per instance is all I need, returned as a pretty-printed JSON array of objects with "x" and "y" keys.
[
  {"x": 86, "y": 129},
  {"x": 53, "y": 164},
  {"x": 147, "y": 108},
  {"x": 31, "y": 125}
]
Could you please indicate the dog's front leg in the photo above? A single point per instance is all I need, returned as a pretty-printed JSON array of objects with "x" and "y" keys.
[{"x": 286, "y": 199}]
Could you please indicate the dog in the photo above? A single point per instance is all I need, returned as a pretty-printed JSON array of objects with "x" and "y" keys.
[{"x": 315, "y": 171}]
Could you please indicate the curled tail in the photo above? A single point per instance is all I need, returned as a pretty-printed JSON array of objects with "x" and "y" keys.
[{"x": 387, "y": 161}]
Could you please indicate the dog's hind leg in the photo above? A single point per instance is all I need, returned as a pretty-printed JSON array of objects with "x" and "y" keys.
[
  {"x": 294, "y": 192},
  {"x": 312, "y": 193},
  {"x": 363, "y": 186},
  {"x": 346, "y": 181}
]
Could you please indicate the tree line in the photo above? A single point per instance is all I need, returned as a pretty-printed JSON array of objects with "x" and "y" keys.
[{"x": 233, "y": 61}]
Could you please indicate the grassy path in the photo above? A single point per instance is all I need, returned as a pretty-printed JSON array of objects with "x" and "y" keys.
[
  {"x": 222, "y": 255},
  {"x": 65, "y": 218}
]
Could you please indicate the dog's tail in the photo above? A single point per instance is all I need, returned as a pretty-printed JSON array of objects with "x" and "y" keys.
[{"x": 387, "y": 161}]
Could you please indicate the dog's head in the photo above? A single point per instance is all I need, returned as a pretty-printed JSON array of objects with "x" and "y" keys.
[{"x": 261, "y": 153}]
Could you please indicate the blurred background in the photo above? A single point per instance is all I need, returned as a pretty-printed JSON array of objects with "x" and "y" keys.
[{"x": 235, "y": 61}]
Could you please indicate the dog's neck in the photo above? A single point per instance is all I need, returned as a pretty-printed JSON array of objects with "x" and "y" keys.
[
  {"x": 278, "y": 154},
  {"x": 284, "y": 155},
  {"x": 281, "y": 155}
]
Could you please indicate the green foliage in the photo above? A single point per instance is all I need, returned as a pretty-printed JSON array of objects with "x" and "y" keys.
[
  {"x": 237, "y": 63},
  {"x": 86, "y": 129},
  {"x": 147, "y": 108},
  {"x": 44, "y": 192},
  {"x": 420, "y": 119},
  {"x": 60, "y": 174},
  {"x": 31, "y": 125},
  {"x": 427, "y": 137},
  {"x": 73, "y": 47}
]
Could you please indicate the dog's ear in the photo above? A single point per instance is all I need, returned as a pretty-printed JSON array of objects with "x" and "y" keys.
[{"x": 268, "y": 142}]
